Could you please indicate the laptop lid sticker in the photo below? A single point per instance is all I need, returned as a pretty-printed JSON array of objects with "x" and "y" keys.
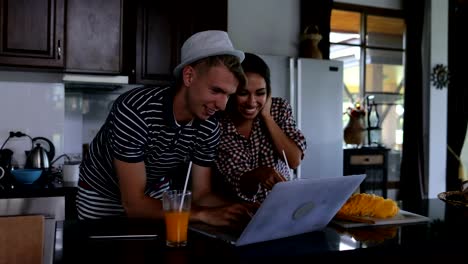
[{"x": 303, "y": 210}]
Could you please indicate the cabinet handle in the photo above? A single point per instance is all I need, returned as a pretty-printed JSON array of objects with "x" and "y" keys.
[{"x": 59, "y": 50}]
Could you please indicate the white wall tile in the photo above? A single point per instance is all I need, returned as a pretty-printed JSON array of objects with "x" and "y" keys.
[
  {"x": 85, "y": 113},
  {"x": 73, "y": 123},
  {"x": 36, "y": 109}
]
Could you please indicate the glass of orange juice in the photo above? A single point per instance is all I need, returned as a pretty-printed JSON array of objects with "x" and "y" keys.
[{"x": 176, "y": 216}]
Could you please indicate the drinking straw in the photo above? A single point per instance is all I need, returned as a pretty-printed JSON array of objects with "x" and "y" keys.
[
  {"x": 185, "y": 186},
  {"x": 286, "y": 160}
]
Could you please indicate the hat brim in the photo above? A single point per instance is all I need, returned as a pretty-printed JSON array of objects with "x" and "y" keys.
[{"x": 239, "y": 54}]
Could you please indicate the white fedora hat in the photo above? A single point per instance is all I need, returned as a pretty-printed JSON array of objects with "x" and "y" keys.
[{"x": 205, "y": 44}]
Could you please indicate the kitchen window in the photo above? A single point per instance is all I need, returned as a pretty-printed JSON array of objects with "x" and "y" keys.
[{"x": 370, "y": 42}]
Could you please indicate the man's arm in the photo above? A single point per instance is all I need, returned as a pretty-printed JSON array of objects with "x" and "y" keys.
[
  {"x": 210, "y": 208},
  {"x": 132, "y": 182},
  {"x": 202, "y": 192}
]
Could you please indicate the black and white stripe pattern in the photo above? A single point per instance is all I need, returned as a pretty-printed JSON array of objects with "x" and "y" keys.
[
  {"x": 91, "y": 205},
  {"x": 141, "y": 128}
]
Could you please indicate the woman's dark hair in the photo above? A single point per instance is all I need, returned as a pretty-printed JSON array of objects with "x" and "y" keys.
[{"x": 254, "y": 64}]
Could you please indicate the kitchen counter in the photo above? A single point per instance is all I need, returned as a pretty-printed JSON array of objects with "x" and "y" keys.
[
  {"x": 444, "y": 238},
  {"x": 38, "y": 190},
  {"x": 54, "y": 188},
  {"x": 49, "y": 184}
]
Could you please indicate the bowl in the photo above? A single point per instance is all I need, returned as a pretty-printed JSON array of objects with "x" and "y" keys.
[
  {"x": 26, "y": 176},
  {"x": 455, "y": 198}
]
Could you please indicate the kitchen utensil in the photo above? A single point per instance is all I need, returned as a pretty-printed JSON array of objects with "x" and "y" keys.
[
  {"x": 26, "y": 176},
  {"x": 71, "y": 172},
  {"x": 5, "y": 160},
  {"x": 5, "y": 167},
  {"x": 2, "y": 172},
  {"x": 38, "y": 157}
]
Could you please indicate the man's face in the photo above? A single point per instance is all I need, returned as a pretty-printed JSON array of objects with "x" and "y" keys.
[{"x": 208, "y": 91}]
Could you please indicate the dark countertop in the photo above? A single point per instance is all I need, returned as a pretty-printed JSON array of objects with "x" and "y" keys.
[
  {"x": 444, "y": 238},
  {"x": 53, "y": 187}
]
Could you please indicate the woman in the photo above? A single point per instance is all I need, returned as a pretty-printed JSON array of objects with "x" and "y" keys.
[{"x": 258, "y": 131}]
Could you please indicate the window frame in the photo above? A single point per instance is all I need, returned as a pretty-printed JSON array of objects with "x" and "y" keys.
[{"x": 365, "y": 12}]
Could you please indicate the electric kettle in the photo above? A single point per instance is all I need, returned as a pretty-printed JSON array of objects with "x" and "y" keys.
[{"x": 39, "y": 157}]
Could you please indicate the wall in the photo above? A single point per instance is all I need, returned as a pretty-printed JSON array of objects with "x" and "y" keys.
[
  {"x": 269, "y": 27},
  {"x": 35, "y": 107},
  {"x": 85, "y": 113},
  {"x": 437, "y": 137}
]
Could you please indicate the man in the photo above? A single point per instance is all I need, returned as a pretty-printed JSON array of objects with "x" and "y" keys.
[{"x": 150, "y": 132}]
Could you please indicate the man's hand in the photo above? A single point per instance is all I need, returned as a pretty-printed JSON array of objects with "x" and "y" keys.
[{"x": 230, "y": 215}]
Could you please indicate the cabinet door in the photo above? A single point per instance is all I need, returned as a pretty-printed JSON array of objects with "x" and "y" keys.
[
  {"x": 156, "y": 40},
  {"x": 31, "y": 32},
  {"x": 163, "y": 26},
  {"x": 94, "y": 36},
  {"x": 208, "y": 15}
]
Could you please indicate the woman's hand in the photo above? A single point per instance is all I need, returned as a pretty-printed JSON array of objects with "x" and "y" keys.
[
  {"x": 265, "y": 176},
  {"x": 266, "y": 110}
]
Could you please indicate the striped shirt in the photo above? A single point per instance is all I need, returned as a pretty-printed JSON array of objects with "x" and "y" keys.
[
  {"x": 141, "y": 128},
  {"x": 238, "y": 154}
]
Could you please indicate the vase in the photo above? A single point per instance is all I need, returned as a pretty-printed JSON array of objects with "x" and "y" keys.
[
  {"x": 353, "y": 132},
  {"x": 309, "y": 43},
  {"x": 310, "y": 47}
]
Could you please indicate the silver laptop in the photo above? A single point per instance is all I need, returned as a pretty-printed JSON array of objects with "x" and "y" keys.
[{"x": 291, "y": 208}]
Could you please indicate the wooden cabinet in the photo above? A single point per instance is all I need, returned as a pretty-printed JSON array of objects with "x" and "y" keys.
[
  {"x": 94, "y": 36},
  {"x": 139, "y": 38},
  {"x": 32, "y": 33},
  {"x": 161, "y": 29}
]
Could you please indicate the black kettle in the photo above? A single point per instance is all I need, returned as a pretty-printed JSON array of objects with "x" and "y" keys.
[{"x": 39, "y": 157}]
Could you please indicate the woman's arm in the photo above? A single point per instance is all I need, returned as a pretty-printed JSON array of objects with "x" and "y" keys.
[
  {"x": 280, "y": 140},
  {"x": 264, "y": 175}
]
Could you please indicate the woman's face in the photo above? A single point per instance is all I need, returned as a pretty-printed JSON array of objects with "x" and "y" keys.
[{"x": 252, "y": 98}]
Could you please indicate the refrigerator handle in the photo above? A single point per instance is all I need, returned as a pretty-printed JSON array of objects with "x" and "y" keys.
[
  {"x": 298, "y": 95},
  {"x": 292, "y": 87},
  {"x": 294, "y": 94}
]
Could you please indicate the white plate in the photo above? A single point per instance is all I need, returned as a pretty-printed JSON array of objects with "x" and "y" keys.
[{"x": 403, "y": 217}]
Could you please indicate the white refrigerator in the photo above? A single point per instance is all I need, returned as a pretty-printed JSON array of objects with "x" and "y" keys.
[{"x": 314, "y": 89}]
